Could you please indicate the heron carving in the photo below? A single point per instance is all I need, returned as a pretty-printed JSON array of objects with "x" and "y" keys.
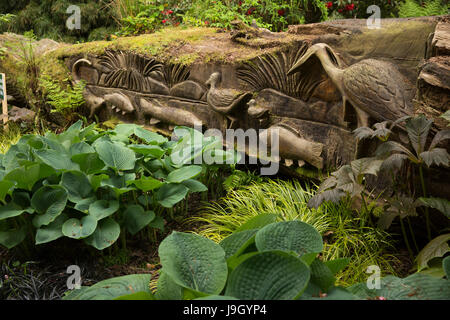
[{"x": 374, "y": 88}]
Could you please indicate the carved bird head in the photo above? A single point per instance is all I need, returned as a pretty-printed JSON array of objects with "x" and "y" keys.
[
  {"x": 316, "y": 49},
  {"x": 214, "y": 79}
]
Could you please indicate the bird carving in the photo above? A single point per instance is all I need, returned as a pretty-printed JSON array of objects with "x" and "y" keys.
[
  {"x": 376, "y": 89},
  {"x": 227, "y": 102}
]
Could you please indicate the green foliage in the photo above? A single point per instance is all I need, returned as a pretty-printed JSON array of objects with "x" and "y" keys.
[
  {"x": 91, "y": 185},
  {"x": 240, "y": 267},
  {"x": 414, "y": 8},
  {"x": 64, "y": 100},
  {"x": 348, "y": 234}
]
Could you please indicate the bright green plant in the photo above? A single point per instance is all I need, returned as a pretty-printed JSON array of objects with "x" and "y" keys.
[
  {"x": 261, "y": 261},
  {"x": 94, "y": 186},
  {"x": 64, "y": 100},
  {"x": 348, "y": 234},
  {"x": 413, "y": 8}
]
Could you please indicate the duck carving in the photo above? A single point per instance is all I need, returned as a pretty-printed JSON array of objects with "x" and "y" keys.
[
  {"x": 227, "y": 102},
  {"x": 374, "y": 88}
]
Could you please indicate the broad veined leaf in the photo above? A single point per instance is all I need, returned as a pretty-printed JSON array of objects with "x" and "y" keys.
[
  {"x": 105, "y": 235},
  {"x": 80, "y": 148},
  {"x": 337, "y": 265},
  {"x": 113, "y": 288},
  {"x": 136, "y": 218},
  {"x": 194, "y": 262},
  {"x": 52, "y": 231},
  {"x": 125, "y": 129},
  {"x": 366, "y": 166},
  {"x": 236, "y": 243},
  {"x": 271, "y": 275},
  {"x": 149, "y": 136},
  {"x": 116, "y": 156},
  {"x": 446, "y": 266},
  {"x": 103, "y": 208},
  {"x": 6, "y": 188},
  {"x": 83, "y": 205},
  {"x": 49, "y": 202},
  {"x": 148, "y": 150},
  {"x": 435, "y": 248},
  {"x": 76, "y": 229},
  {"x": 443, "y": 205},
  {"x": 141, "y": 295},
  {"x": 56, "y": 159},
  {"x": 146, "y": 183},
  {"x": 13, "y": 237},
  {"x": 184, "y": 173},
  {"x": 10, "y": 210},
  {"x": 170, "y": 194},
  {"x": 194, "y": 185},
  {"x": 89, "y": 163},
  {"x": 27, "y": 176},
  {"x": 77, "y": 185},
  {"x": 321, "y": 275},
  {"x": 293, "y": 236},
  {"x": 167, "y": 289}
]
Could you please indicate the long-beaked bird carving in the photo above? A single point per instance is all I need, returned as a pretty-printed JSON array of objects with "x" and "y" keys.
[{"x": 374, "y": 88}]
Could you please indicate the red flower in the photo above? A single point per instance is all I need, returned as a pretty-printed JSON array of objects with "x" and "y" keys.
[
  {"x": 329, "y": 4},
  {"x": 250, "y": 11},
  {"x": 240, "y": 3},
  {"x": 164, "y": 21},
  {"x": 281, "y": 12},
  {"x": 350, "y": 7},
  {"x": 206, "y": 22},
  {"x": 170, "y": 12},
  {"x": 340, "y": 10}
]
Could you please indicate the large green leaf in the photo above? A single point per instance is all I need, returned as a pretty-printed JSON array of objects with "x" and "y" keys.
[
  {"x": 146, "y": 183},
  {"x": 294, "y": 236},
  {"x": 194, "y": 262},
  {"x": 236, "y": 243},
  {"x": 136, "y": 218},
  {"x": 52, "y": 231},
  {"x": 10, "y": 210},
  {"x": 167, "y": 289},
  {"x": 113, "y": 288},
  {"x": 170, "y": 194},
  {"x": 6, "y": 188},
  {"x": 13, "y": 237},
  {"x": 321, "y": 275},
  {"x": 149, "y": 137},
  {"x": 49, "y": 202},
  {"x": 435, "y": 248},
  {"x": 443, "y": 205},
  {"x": 116, "y": 156},
  {"x": 105, "y": 235},
  {"x": 26, "y": 176},
  {"x": 103, "y": 208},
  {"x": 77, "y": 185},
  {"x": 184, "y": 173},
  {"x": 148, "y": 150},
  {"x": 56, "y": 159},
  {"x": 271, "y": 275},
  {"x": 89, "y": 163},
  {"x": 194, "y": 185},
  {"x": 76, "y": 229},
  {"x": 81, "y": 148}
]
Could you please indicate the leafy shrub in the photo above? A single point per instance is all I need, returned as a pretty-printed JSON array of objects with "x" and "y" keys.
[
  {"x": 348, "y": 234},
  {"x": 261, "y": 261},
  {"x": 345, "y": 9},
  {"x": 85, "y": 184}
]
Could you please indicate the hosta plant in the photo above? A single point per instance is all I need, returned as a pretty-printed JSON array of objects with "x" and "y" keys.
[
  {"x": 263, "y": 260},
  {"x": 91, "y": 185}
]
